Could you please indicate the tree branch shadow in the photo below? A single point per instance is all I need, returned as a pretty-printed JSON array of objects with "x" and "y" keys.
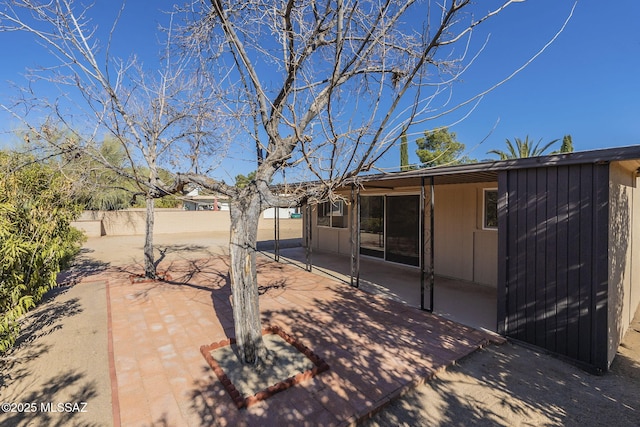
[
  {"x": 47, "y": 398},
  {"x": 22, "y": 382},
  {"x": 83, "y": 266},
  {"x": 40, "y": 322}
]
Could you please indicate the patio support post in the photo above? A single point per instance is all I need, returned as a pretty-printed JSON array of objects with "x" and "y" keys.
[
  {"x": 422, "y": 242},
  {"x": 432, "y": 276},
  {"x": 355, "y": 236},
  {"x": 307, "y": 235},
  {"x": 276, "y": 232}
]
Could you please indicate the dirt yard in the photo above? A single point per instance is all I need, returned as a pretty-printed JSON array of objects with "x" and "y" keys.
[{"x": 510, "y": 385}]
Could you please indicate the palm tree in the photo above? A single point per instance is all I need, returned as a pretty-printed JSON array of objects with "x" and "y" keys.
[{"x": 520, "y": 149}]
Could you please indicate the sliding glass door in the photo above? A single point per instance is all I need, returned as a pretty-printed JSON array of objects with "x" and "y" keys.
[
  {"x": 372, "y": 226},
  {"x": 402, "y": 233},
  {"x": 390, "y": 228}
]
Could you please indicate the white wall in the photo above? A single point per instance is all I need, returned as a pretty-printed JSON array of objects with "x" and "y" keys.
[
  {"x": 624, "y": 250},
  {"x": 282, "y": 212}
]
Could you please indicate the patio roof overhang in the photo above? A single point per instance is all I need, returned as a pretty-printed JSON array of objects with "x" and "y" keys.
[
  {"x": 458, "y": 174},
  {"x": 488, "y": 171}
]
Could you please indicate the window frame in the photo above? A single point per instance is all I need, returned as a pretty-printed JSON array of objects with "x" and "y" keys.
[
  {"x": 485, "y": 225},
  {"x": 327, "y": 206}
]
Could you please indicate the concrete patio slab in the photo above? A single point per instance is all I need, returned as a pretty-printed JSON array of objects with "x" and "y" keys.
[{"x": 465, "y": 302}]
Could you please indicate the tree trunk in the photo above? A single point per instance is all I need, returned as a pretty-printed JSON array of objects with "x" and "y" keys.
[
  {"x": 244, "y": 285},
  {"x": 149, "y": 262}
]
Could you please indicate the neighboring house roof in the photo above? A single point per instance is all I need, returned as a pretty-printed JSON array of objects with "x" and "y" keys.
[{"x": 204, "y": 197}]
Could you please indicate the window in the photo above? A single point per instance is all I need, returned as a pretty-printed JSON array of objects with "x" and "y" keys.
[
  {"x": 331, "y": 214},
  {"x": 490, "y": 216}
]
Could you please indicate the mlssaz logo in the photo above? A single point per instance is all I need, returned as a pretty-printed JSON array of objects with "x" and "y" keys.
[{"x": 63, "y": 407}]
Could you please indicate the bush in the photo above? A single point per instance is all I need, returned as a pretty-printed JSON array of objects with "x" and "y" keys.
[{"x": 36, "y": 239}]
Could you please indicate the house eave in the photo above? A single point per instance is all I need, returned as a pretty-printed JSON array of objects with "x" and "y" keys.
[{"x": 488, "y": 171}]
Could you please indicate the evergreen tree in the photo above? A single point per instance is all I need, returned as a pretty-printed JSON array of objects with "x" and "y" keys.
[
  {"x": 440, "y": 147},
  {"x": 242, "y": 181},
  {"x": 404, "y": 153},
  {"x": 567, "y": 144}
]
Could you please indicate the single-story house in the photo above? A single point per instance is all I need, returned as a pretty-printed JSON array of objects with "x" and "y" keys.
[
  {"x": 272, "y": 213},
  {"x": 194, "y": 200},
  {"x": 558, "y": 236}
]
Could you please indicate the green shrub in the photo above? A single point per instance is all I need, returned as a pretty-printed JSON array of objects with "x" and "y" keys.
[{"x": 36, "y": 239}]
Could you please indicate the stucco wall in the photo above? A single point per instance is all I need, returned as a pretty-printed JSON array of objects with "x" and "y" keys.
[
  {"x": 624, "y": 251},
  {"x": 463, "y": 250},
  {"x": 635, "y": 254},
  {"x": 167, "y": 221},
  {"x": 328, "y": 239}
]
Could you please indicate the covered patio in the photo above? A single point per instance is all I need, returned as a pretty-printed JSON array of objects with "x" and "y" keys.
[
  {"x": 458, "y": 300},
  {"x": 550, "y": 238}
]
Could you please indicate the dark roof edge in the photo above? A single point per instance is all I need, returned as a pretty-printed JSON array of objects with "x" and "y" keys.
[{"x": 604, "y": 155}]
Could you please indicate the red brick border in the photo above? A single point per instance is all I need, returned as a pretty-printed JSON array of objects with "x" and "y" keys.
[{"x": 238, "y": 399}]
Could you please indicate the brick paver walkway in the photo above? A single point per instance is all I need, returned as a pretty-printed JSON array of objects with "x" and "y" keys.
[{"x": 376, "y": 348}]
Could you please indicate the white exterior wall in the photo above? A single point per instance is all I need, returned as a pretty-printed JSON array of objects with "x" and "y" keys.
[
  {"x": 624, "y": 251},
  {"x": 282, "y": 212}
]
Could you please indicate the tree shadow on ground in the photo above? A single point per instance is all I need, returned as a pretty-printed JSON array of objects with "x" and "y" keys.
[
  {"x": 161, "y": 422},
  {"x": 40, "y": 322},
  {"x": 511, "y": 384},
  {"x": 371, "y": 345},
  {"x": 269, "y": 245},
  {"x": 168, "y": 257},
  {"x": 375, "y": 345},
  {"x": 180, "y": 249},
  {"x": 82, "y": 266},
  {"x": 22, "y": 379},
  {"x": 46, "y": 398}
]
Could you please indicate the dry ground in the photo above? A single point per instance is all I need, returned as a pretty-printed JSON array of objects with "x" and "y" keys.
[
  {"x": 510, "y": 385},
  {"x": 62, "y": 356}
]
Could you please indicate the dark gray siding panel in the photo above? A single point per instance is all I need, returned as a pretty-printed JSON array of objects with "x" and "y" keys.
[
  {"x": 562, "y": 248},
  {"x": 550, "y": 259},
  {"x": 541, "y": 220},
  {"x": 553, "y": 250},
  {"x": 503, "y": 295}
]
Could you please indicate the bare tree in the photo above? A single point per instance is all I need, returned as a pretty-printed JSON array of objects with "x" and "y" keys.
[
  {"x": 322, "y": 89},
  {"x": 325, "y": 90},
  {"x": 151, "y": 114}
]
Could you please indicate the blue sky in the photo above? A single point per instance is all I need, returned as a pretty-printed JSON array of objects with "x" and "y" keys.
[{"x": 585, "y": 84}]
